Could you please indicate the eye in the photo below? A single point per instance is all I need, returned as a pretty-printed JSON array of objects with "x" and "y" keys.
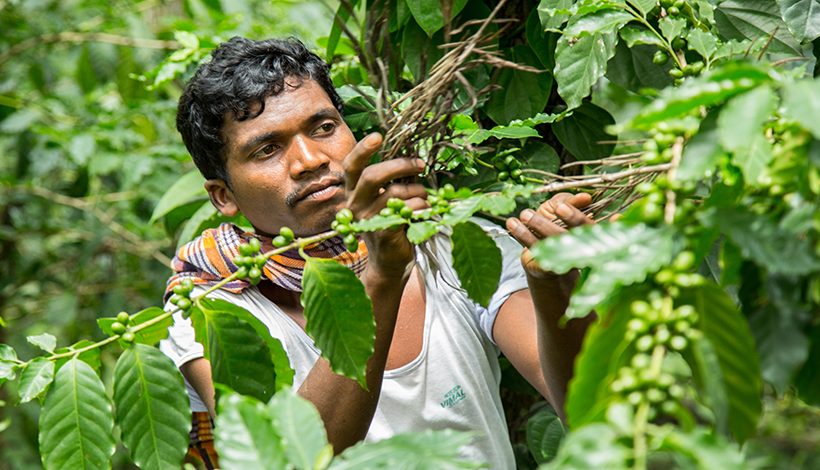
[
  {"x": 266, "y": 151},
  {"x": 326, "y": 128}
]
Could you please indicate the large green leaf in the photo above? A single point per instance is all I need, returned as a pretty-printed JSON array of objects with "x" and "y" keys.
[
  {"x": 601, "y": 21},
  {"x": 188, "y": 188},
  {"x": 728, "y": 332},
  {"x": 710, "y": 89},
  {"x": 477, "y": 261},
  {"x": 802, "y": 17},
  {"x": 429, "y": 13},
  {"x": 152, "y": 408},
  {"x": 579, "y": 63},
  {"x": 617, "y": 254},
  {"x": 544, "y": 434},
  {"x": 743, "y": 116},
  {"x": 801, "y": 102},
  {"x": 755, "y": 19},
  {"x": 593, "y": 446},
  {"x": 244, "y": 435},
  {"x": 764, "y": 241},
  {"x": 339, "y": 316},
  {"x": 521, "y": 94},
  {"x": 76, "y": 423},
  {"x": 705, "y": 449},
  {"x": 35, "y": 378},
  {"x": 584, "y": 132},
  {"x": 239, "y": 357},
  {"x": 302, "y": 434},
  {"x": 709, "y": 378},
  {"x": 633, "y": 69},
  {"x": 599, "y": 358},
  {"x": 417, "y": 451},
  {"x": 702, "y": 152}
]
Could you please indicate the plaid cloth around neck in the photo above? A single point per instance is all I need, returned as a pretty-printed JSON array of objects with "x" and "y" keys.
[{"x": 208, "y": 259}]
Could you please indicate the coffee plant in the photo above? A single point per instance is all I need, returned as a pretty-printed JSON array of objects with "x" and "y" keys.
[{"x": 692, "y": 123}]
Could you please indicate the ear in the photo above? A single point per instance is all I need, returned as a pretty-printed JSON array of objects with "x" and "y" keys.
[{"x": 221, "y": 197}]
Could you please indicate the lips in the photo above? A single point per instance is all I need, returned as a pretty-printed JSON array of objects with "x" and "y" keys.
[{"x": 321, "y": 190}]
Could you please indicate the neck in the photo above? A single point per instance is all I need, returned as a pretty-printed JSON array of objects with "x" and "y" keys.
[{"x": 285, "y": 299}]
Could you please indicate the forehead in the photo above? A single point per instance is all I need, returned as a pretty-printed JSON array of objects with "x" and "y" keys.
[{"x": 284, "y": 113}]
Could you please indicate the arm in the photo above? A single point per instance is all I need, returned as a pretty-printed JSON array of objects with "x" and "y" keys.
[
  {"x": 345, "y": 407},
  {"x": 527, "y": 328},
  {"x": 198, "y": 373}
]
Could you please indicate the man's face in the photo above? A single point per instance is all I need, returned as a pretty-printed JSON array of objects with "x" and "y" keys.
[{"x": 285, "y": 165}]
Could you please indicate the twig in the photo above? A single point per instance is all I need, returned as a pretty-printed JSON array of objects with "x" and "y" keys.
[{"x": 78, "y": 37}]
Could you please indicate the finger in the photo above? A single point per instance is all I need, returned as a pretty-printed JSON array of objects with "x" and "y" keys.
[
  {"x": 520, "y": 232},
  {"x": 379, "y": 175},
  {"x": 539, "y": 225},
  {"x": 571, "y": 215},
  {"x": 356, "y": 161},
  {"x": 405, "y": 192},
  {"x": 580, "y": 200},
  {"x": 547, "y": 208},
  {"x": 418, "y": 203}
]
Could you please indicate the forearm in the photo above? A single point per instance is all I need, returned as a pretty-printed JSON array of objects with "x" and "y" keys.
[
  {"x": 557, "y": 346},
  {"x": 344, "y": 406},
  {"x": 198, "y": 374}
]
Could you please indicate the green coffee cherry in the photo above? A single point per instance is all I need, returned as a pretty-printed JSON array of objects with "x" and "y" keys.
[
  {"x": 279, "y": 241},
  {"x": 395, "y": 204},
  {"x": 660, "y": 58},
  {"x": 684, "y": 261},
  {"x": 287, "y": 233},
  {"x": 184, "y": 304},
  {"x": 679, "y": 43},
  {"x": 351, "y": 242},
  {"x": 128, "y": 337},
  {"x": 344, "y": 216},
  {"x": 678, "y": 343},
  {"x": 675, "y": 73},
  {"x": 406, "y": 212},
  {"x": 503, "y": 176},
  {"x": 118, "y": 328},
  {"x": 386, "y": 212},
  {"x": 123, "y": 317},
  {"x": 644, "y": 343},
  {"x": 254, "y": 275}
]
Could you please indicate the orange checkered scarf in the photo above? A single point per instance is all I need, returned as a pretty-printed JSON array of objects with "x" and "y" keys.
[{"x": 208, "y": 259}]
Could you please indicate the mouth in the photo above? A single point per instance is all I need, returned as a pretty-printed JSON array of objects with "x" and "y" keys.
[{"x": 321, "y": 190}]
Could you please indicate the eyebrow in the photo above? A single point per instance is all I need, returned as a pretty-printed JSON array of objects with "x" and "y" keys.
[{"x": 322, "y": 114}]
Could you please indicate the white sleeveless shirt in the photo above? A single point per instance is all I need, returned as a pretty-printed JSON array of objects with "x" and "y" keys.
[{"x": 454, "y": 381}]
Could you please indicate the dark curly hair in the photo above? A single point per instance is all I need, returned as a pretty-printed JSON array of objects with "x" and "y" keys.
[{"x": 242, "y": 73}]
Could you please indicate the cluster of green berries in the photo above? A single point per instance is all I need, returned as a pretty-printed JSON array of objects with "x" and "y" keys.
[
  {"x": 120, "y": 327},
  {"x": 440, "y": 198},
  {"x": 284, "y": 238},
  {"x": 650, "y": 327},
  {"x": 396, "y": 206},
  {"x": 342, "y": 225},
  {"x": 182, "y": 295},
  {"x": 509, "y": 168},
  {"x": 250, "y": 261},
  {"x": 638, "y": 383},
  {"x": 658, "y": 147},
  {"x": 682, "y": 10}
]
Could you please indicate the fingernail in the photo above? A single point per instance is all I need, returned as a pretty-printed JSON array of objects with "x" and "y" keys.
[
  {"x": 526, "y": 215},
  {"x": 563, "y": 210}
]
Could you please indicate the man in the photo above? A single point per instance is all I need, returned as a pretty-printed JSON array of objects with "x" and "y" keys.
[{"x": 263, "y": 124}]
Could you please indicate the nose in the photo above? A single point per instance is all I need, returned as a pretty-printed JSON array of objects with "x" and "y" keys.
[{"x": 306, "y": 157}]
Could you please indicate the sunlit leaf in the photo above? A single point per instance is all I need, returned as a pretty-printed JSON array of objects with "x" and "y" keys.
[
  {"x": 300, "y": 428},
  {"x": 245, "y": 436},
  {"x": 35, "y": 378},
  {"x": 477, "y": 261},
  {"x": 423, "y": 450}
]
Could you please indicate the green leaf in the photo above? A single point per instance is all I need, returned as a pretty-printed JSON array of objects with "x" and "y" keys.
[
  {"x": 702, "y": 152},
  {"x": 671, "y": 27},
  {"x": 513, "y": 132},
  {"x": 617, "y": 254},
  {"x": 540, "y": 156},
  {"x": 8, "y": 362},
  {"x": 429, "y": 13},
  {"x": 635, "y": 35},
  {"x": 521, "y": 94},
  {"x": 580, "y": 63},
  {"x": 553, "y": 13},
  {"x": 644, "y": 6},
  {"x": 702, "y": 42},
  {"x": 340, "y": 18},
  {"x": 477, "y": 261},
  {"x": 300, "y": 427},
  {"x": 544, "y": 434},
  {"x": 603, "y": 21},
  {"x": 188, "y": 188},
  {"x": 705, "y": 448},
  {"x": 418, "y": 232},
  {"x": 152, "y": 408},
  {"x": 339, "y": 317},
  {"x": 801, "y": 102},
  {"x": 244, "y": 435},
  {"x": 584, "y": 133},
  {"x": 422, "y": 450},
  {"x": 711, "y": 89},
  {"x": 807, "y": 380},
  {"x": 540, "y": 43},
  {"x": 802, "y": 17},
  {"x": 598, "y": 360},
  {"x": 728, "y": 332},
  {"x": 764, "y": 241},
  {"x": 278, "y": 356},
  {"x": 44, "y": 341},
  {"x": 753, "y": 19},
  {"x": 498, "y": 204},
  {"x": 239, "y": 357},
  {"x": 35, "y": 378},
  {"x": 462, "y": 211},
  {"x": 204, "y": 218},
  {"x": 90, "y": 357},
  {"x": 743, "y": 116},
  {"x": 377, "y": 223},
  {"x": 153, "y": 334},
  {"x": 593, "y": 446},
  {"x": 76, "y": 422},
  {"x": 709, "y": 378},
  {"x": 754, "y": 159},
  {"x": 633, "y": 69}
]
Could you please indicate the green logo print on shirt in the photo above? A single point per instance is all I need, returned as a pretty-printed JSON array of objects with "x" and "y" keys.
[{"x": 455, "y": 395}]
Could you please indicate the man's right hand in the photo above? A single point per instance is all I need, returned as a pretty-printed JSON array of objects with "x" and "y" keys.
[{"x": 369, "y": 187}]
